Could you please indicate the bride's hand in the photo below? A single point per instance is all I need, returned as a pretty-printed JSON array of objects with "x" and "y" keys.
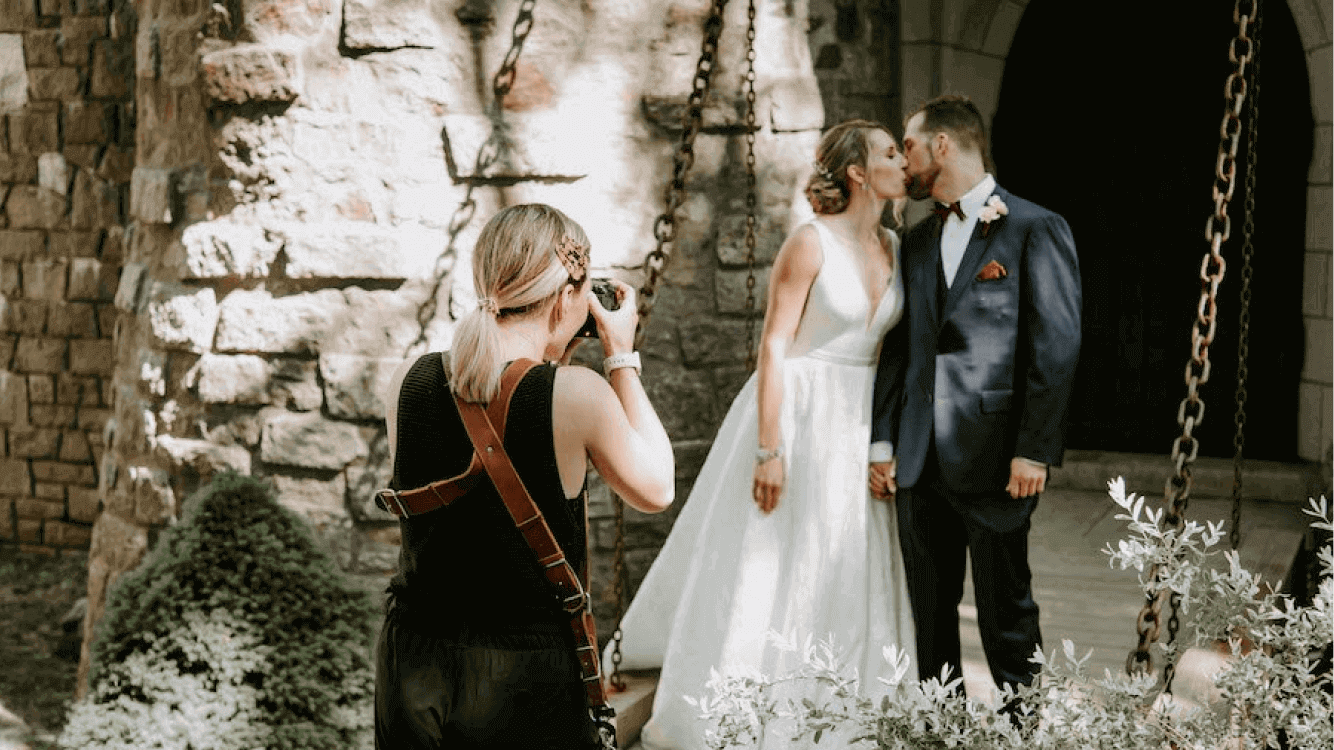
[{"x": 768, "y": 484}]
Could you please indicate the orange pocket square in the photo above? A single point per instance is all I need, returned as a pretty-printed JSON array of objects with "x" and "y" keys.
[{"x": 992, "y": 271}]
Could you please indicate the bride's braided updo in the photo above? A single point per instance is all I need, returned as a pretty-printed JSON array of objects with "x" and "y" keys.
[{"x": 845, "y": 144}]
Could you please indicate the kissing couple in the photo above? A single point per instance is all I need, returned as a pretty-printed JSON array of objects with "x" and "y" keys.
[{"x": 910, "y": 397}]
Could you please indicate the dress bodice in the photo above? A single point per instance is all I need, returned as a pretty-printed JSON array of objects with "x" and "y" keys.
[{"x": 834, "y": 326}]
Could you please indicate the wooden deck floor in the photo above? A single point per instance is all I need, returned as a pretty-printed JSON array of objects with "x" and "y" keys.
[{"x": 1085, "y": 600}]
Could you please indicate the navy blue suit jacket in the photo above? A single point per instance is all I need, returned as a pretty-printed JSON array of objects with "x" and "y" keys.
[{"x": 991, "y": 375}]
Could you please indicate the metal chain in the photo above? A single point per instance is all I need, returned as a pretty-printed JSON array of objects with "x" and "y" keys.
[
  {"x": 1247, "y": 254},
  {"x": 618, "y": 595},
  {"x": 487, "y": 155},
  {"x": 664, "y": 228},
  {"x": 1218, "y": 228},
  {"x": 752, "y": 196}
]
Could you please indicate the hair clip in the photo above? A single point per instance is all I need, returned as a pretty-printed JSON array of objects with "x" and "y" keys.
[
  {"x": 574, "y": 256},
  {"x": 824, "y": 172},
  {"x": 489, "y": 305}
]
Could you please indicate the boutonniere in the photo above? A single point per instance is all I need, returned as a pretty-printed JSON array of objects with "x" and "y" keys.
[
  {"x": 992, "y": 271},
  {"x": 993, "y": 210}
]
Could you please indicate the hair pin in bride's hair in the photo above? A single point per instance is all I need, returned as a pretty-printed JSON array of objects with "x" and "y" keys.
[{"x": 824, "y": 172}]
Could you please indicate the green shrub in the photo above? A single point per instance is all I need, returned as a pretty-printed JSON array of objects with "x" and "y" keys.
[{"x": 236, "y": 633}]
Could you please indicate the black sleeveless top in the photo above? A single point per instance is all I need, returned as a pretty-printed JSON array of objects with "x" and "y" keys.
[{"x": 465, "y": 566}]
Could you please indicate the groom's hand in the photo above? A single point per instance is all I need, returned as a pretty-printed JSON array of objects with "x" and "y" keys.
[
  {"x": 882, "y": 479},
  {"x": 1026, "y": 478}
]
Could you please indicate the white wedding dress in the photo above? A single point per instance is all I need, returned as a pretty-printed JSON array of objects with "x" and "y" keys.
[{"x": 826, "y": 562}]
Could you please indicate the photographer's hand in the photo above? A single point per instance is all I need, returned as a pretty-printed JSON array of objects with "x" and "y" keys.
[{"x": 616, "y": 328}]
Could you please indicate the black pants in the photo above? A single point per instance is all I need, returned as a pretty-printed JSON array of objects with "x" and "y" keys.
[
  {"x": 464, "y": 691},
  {"x": 936, "y": 525}
]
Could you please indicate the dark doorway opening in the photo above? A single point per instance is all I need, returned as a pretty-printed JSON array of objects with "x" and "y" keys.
[{"x": 1117, "y": 129}]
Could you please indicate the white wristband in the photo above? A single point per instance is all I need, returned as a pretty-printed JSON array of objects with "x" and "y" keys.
[{"x": 617, "y": 361}]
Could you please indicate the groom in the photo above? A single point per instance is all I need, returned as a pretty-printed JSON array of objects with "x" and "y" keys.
[{"x": 977, "y": 411}]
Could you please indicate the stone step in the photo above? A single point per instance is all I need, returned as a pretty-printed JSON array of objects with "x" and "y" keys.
[
  {"x": 1147, "y": 473},
  {"x": 633, "y": 705}
]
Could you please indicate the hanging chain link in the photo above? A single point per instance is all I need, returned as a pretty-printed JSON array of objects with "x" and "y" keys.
[
  {"x": 1247, "y": 254},
  {"x": 664, "y": 228},
  {"x": 664, "y": 231},
  {"x": 487, "y": 155},
  {"x": 1185, "y": 449},
  {"x": 752, "y": 193}
]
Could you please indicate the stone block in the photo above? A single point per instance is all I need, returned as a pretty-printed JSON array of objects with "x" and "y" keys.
[
  {"x": 182, "y": 317},
  {"x": 96, "y": 202},
  {"x": 41, "y": 389},
  {"x": 1322, "y": 98},
  {"x": 730, "y": 241},
  {"x": 47, "y": 491},
  {"x": 88, "y": 122},
  {"x": 32, "y": 207},
  {"x": 1319, "y": 351},
  {"x": 372, "y": 25},
  {"x": 77, "y": 35},
  {"x": 84, "y": 504},
  {"x": 375, "y": 324},
  {"x": 256, "y": 321},
  {"x": 10, "y": 283},
  {"x": 45, "y": 279},
  {"x": 203, "y": 456},
  {"x": 309, "y": 441},
  {"x": 30, "y": 531},
  {"x": 21, "y": 245},
  {"x": 696, "y": 414},
  {"x": 32, "y": 508},
  {"x": 24, "y": 316},
  {"x": 64, "y": 534},
  {"x": 218, "y": 249},
  {"x": 82, "y": 155},
  {"x": 91, "y": 357},
  {"x": 17, "y": 15},
  {"x": 7, "y": 345},
  {"x": 358, "y": 250},
  {"x": 52, "y": 84},
  {"x": 6, "y": 519},
  {"x": 53, "y": 173},
  {"x": 362, "y": 483},
  {"x": 112, "y": 68},
  {"x": 55, "y": 471},
  {"x": 13, "y": 399},
  {"x": 13, "y": 70},
  {"x": 42, "y": 355},
  {"x": 353, "y": 384},
  {"x": 315, "y": 498},
  {"x": 1322, "y": 157},
  {"x": 41, "y": 48},
  {"x": 130, "y": 286},
  {"x": 72, "y": 319},
  {"x": 74, "y": 447},
  {"x": 34, "y": 443},
  {"x": 250, "y": 73},
  {"x": 84, "y": 280},
  {"x": 1319, "y": 217},
  {"x": 14, "y": 478},
  {"x": 150, "y": 195},
  {"x": 72, "y": 389},
  {"x": 48, "y": 415},
  {"x": 76, "y": 244},
  {"x": 36, "y": 131},
  {"x": 117, "y": 165},
  {"x": 18, "y": 167},
  {"x": 730, "y": 290},
  {"x": 794, "y": 104},
  {"x": 707, "y": 340},
  {"x": 539, "y": 146}
]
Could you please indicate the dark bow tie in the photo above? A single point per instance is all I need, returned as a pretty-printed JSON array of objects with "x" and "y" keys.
[{"x": 944, "y": 211}]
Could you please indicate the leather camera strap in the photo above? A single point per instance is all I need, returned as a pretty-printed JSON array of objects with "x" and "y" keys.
[{"x": 532, "y": 525}]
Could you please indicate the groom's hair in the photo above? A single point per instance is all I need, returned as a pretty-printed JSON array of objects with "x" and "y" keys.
[{"x": 960, "y": 119}]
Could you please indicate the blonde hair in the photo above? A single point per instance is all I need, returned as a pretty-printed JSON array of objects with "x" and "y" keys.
[
  {"x": 515, "y": 272},
  {"x": 842, "y": 146}
]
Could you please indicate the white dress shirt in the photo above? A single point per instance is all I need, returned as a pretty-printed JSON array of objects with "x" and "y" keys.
[{"x": 955, "y": 234}]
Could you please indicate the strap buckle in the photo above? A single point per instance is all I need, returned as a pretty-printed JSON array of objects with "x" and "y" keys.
[
  {"x": 389, "y": 501},
  {"x": 576, "y": 603}
]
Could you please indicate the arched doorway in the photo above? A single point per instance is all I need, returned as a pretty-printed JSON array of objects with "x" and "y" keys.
[{"x": 1117, "y": 130}]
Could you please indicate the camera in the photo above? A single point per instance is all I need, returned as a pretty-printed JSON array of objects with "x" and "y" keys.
[{"x": 606, "y": 294}]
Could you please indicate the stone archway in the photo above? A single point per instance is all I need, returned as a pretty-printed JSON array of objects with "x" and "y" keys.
[{"x": 964, "y": 46}]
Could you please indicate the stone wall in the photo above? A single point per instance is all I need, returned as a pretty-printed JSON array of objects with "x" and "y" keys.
[
  {"x": 294, "y": 232},
  {"x": 66, "y": 151}
]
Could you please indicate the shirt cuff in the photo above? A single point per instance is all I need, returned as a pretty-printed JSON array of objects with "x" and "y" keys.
[
  {"x": 1031, "y": 462},
  {"x": 882, "y": 452}
]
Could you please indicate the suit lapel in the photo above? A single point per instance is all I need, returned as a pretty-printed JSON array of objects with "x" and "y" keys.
[{"x": 972, "y": 259}]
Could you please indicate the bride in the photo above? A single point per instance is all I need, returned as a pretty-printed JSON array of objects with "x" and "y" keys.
[{"x": 780, "y": 532}]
